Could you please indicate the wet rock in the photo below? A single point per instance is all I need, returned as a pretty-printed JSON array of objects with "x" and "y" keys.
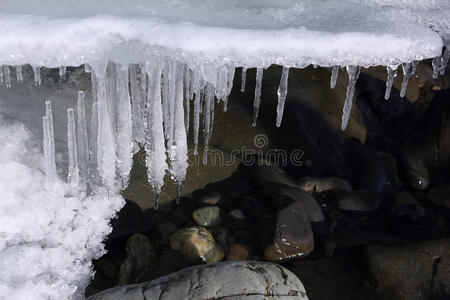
[
  {"x": 271, "y": 174},
  {"x": 131, "y": 219},
  {"x": 197, "y": 244},
  {"x": 165, "y": 231},
  {"x": 211, "y": 198},
  {"x": 416, "y": 173},
  {"x": 237, "y": 214},
  {"x": 238, "y": 252},
  {"x": 218, "y": 281},
  {"x": 378, "y": 173},
  {"x": 417, "y": 271},
  {"x": 141, "y": 256},
  {"x": 293, "y": 236},
  {"x": 358, "y": 201},
  {"x": 168, "y": 262},
  {"x": 318, "y": 184},
  {"x": 310, "y": 205},
  {"x": 207, "y": 216},
  {"x": 440, "y": 196},
  {"x": 404, "y": 205},
  {"x": 181, "y": 213}
]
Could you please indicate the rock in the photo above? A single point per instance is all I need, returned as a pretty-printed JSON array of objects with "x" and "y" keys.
[
  {"x": 211, "y": 198},
  {"x": 440, "y": 196},
  {"x": 141, "y": 256},
  {"x": 417, "y": 271},
  {"x": 358, "y": 201},
  {"x": 265, "y": 174},
  {"x": 197, "y": 244},
  {"x": 168, "y": 261},
  {"x": 416, "y": 173},
  {"x": 311, "y": 207},
  {"x": 181, "y": 213},
  {"x": 131, "y": 219},
  {"x": 378, "y": 173},
  {"x": 404, "y": 205},
  {"x": 318, "y": 185},
  {"x": 293, "y": 236},
  {"x": 106, "y": 268},
  {"x": 207, "y": 216},
  {"x": 165, "y": 231},
  {"x": 223, "y": 280},
  {"x": 237, "y": 214},
  {"x": 238, "y": 252}
]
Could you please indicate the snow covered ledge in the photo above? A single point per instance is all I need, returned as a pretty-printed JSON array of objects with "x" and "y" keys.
[{"x": 165, "y": 54}]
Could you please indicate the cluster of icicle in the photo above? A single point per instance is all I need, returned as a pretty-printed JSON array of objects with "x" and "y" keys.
[{"x": 149, "y": 105}]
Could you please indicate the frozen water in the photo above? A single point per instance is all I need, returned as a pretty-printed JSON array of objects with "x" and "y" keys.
[
  {"x": 353, "y": 74},
  {"x": 257, "y": 100},
  {"x": 282, "y": 92},
  {"x": 406, "y": 75},
  {"x": 392, "y": 73},
  {"x": 334, "y": 76}
]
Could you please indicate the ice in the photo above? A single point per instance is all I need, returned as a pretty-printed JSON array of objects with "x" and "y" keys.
[
  {"x": 2, "y": 79},
  {"x": 257, "y": 100},
  {"x": 414, "y": 64},
  {"x": 155, "y": 144},
  {"x": 243, "y": 78},
  {"x": 138, "y": 99},
  {"x": 406, "y": 75},
  {"x": 187, "y": 96},
  {"x": 7, "y": 76},
  {"x": 37, "y": 75},
  {"x": 392, "y": 73},
  {"x": 196, "y": 126},
  {"x": 444, "y": 60},
  {"x": 49, "y": 145},
  {"x": 73, "y": 176},
  {"x": 19, "y": 74},
  {"x": 334, "y": 76},
  {"x": 436, "y": 64},
  {"x": 282, "y": 92},
  {"x": 208, "y": 119},
  {"x": 353, "y": 74},
  {"x": 62, "y": 71},
  {"x": 82, "y": 139}
]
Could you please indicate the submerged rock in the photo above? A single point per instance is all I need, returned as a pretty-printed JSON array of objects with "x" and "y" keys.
[
  {"x": 358, "y": 201},
  {"x": 197, "y": 244},
  {"x": 207, "y": 216},
  {"x": 231, "y": 280},
  {"x": 293, "y": 234},
  {"x": 318, "y": 185}
]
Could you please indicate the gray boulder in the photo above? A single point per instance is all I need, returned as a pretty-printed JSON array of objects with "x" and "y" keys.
[{"x": 231, "y": 280}]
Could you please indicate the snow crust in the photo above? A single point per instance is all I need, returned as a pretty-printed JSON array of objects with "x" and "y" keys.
[{"x": 239, "y": 33}]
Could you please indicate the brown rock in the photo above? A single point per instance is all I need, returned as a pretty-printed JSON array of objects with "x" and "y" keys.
[
  {"x": 238, "y": 252},
  {"x": 293, "y": 235}
]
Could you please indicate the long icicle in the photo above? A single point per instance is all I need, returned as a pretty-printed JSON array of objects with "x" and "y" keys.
[
  {"x": 51, "y": 162},
  {"x": 334, "y": 76},
  {"x": 187, "y": 105},
  {"x": 37, "y": 75},
  {"x": 137, "y": 98},
  {"x": 243, "y": 79},
  {"x": 196, "y": 125},
  {"x": 155, "y": 142},
  {"x": 282, "y": 92},
  {"x": 392, "y": 73},
  {"x": 436, "y": 64},
  {"x": 82, "y": 139},
  {"x": 207, "y": 119},
  {"x": 19, "y": 74},
  {"x": 414, "y": 67},
  {"x": 73, "y": 174},
  {"x": 353, "y": 74},
  {"x": 406, "y": 67},
  {"x": 93, "y": 146},
  {"x": 7, "y": 76},
  {"x": 257, "y": 100}
]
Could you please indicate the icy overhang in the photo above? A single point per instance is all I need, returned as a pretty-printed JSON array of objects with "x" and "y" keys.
[{"x": 213, "y": 32}]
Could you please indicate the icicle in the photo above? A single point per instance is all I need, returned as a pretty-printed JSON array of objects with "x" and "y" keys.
[
  {"x": 73, "y": 175},
  {"x": 414, "y": 66},
  {"x": 208, "y": 119},
  {"x": 37, "y": 75},
  {"x": 82, "y": 139},
  {"x": 436, "y": 63},
  {"x": 392, "y": 73},
  {"x": 1, "y": 75},
  {"x": 353, "y": 74},
  {"x": 282, "y": 92},
  {"x": 334, "y": 76},
  {"x": 106, "y": 151},
  {"x": 444, "y": 60},
  {"x": 187, "y": 92},
  {"x": 19, "y": 74},
  {"x": 62, "y": 71},
  {"x": 123, "y": 127},
  {"x": 406, "y": 75},
  {"x": 49, "y": 144},
  {"x": 165, "y": 98},
  {"x": 171, "y": 104},
  {"x": 87, "y": 68},
  {"x": 257, "y": 100},
  {"x": 7, "y": 76},
  {"x": 138, "y": 99},
  {"x": 178, "y": 154},
  {"x": 221, "y": 87},
  {"x": 230, "y": 79},
  {"x": 93, "y": 147},
  {"x": 155, "y": 144},
  {"x": 196, "y": 125},
  {"x": 244, "y": 78}
]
